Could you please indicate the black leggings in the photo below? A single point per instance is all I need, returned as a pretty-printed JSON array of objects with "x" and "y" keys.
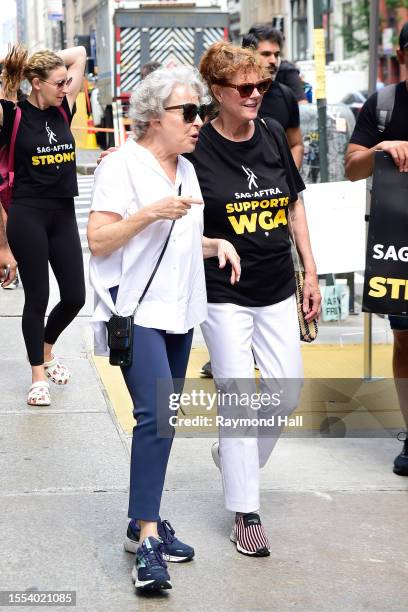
[{"x": 38, "y": 236}]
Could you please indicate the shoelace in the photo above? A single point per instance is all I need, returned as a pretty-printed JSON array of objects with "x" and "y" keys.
[
  {"x": 168, "y": 532},
  {"x": 154, "y": 556}
]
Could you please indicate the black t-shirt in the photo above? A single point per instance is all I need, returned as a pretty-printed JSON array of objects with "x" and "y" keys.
[
  {"x": 289, "y": 75},
  {"x": 366, "y": 132},
  {"x": 247, "y": 187},
  {"x": 44, "y": 157},
  {"x": 280, "y": 104}
]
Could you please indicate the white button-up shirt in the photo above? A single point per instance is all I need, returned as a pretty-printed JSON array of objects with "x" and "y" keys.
[{"x": 176, "y": 301}]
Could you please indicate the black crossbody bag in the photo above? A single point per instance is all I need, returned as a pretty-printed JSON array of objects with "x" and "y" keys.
[{"x": 120, "y": 329}]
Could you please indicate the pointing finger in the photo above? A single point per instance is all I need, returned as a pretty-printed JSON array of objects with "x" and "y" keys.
[{"x": 190, "y": 200}]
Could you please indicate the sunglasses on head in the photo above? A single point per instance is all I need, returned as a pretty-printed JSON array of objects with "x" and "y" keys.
[
  {"x": 246, "y": 89},
  {"x": 190, "y": 111},
  {"x": 59, "y": 84}
]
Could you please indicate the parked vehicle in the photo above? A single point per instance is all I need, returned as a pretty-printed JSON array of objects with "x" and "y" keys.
[
  {"x": 339, "y": 127},
  {"x": 355, "y": 101}
]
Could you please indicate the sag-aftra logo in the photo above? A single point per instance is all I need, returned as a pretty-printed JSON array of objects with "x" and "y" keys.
[{"x": 255, "y": 212}]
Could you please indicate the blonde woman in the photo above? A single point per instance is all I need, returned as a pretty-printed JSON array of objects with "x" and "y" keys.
[{"x": 41, "y": 224}]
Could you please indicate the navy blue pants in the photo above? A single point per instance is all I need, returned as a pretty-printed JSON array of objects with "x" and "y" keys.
[{"x": 156, "y": 356}]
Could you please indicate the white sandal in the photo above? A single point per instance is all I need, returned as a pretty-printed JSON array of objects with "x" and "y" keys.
[
  {"x": 39, "y": 394},
  {"x": 57, "y": 371}
]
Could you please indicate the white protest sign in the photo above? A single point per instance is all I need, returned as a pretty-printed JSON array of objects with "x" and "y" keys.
[{"x": 335, "y": 215}]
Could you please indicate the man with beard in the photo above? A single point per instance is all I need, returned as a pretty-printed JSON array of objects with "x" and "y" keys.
[{"x": 279, "y": 102}]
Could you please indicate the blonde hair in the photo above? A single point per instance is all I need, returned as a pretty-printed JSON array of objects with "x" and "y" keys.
[
  {"x": 18, "y": 66},
  {"x": 13, "y": 68}
]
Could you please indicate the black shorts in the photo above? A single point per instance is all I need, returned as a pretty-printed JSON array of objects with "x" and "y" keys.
[{"x": 399, "y": 323}]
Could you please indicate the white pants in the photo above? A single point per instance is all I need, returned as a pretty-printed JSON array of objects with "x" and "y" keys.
[{"x": 232, "y": 332}]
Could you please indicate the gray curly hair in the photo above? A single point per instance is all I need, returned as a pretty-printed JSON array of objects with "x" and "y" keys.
[{"x": 150, "y": 96}]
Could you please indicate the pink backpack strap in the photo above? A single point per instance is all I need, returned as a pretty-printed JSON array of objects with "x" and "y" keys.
[
  {"x": 63, "y": 113},
  {"x": 16, "y": 123}
]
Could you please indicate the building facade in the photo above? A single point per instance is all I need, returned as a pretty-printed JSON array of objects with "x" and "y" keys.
[
  {"x": 234, "y": 8},
  {"x": 276, "y": 12},
  {"x": 35, "y": 27},
  {"x": 8, "y": 35}
]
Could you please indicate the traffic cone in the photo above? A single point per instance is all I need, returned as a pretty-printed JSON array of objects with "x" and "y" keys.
[{"x": 90, "y": 140}]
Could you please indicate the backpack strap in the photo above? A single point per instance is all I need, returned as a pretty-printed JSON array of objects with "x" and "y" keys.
[
  {"x": 16, "y": 123},
  {"x": 63, "y": 113},
  {"x": 385, "y": 106}
]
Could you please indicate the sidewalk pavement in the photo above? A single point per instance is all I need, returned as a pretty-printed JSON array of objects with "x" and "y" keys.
[{"x": 334, "y": 511}]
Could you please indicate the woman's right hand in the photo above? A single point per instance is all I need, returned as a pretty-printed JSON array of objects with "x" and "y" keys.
[
  {"x": 172, "y": 207},
  {"x": 8, "y": 266},
  {"x": 106, "y": 153}
]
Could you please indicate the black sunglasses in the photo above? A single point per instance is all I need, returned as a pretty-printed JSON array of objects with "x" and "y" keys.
[
  {"x": 190, "y": 111},
  {"x": 245, "y": 89}
]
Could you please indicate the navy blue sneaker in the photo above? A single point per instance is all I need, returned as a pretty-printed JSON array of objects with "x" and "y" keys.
[
  {"x": 173, "y": 549},
  {"x": 401, "y": 462},
  {"x": 150, "y": 570}
]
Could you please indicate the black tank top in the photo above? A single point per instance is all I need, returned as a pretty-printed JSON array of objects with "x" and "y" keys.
[{"x": 44, "y": 159}]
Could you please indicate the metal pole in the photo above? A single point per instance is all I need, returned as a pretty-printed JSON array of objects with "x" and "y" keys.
[
  {"x": 372, "y": 86},
  {"x": 373, "y": 46},
  {"x": 320, "y": 89},
  {"x": 62, "y": 36}
]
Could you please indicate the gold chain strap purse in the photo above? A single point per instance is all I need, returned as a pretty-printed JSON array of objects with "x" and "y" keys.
[{"x": 308, "y": 329}]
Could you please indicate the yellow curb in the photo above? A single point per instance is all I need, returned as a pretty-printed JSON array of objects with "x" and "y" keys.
[{"x": 320, "y": 361}]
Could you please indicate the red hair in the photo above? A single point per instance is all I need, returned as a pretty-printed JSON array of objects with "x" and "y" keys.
[{"x": 222, "y": 61}]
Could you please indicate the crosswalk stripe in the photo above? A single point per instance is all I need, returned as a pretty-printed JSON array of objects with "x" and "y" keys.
[{"x": 82, "y": 205}]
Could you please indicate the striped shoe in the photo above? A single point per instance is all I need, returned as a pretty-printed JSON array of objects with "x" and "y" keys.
[{"x": 249, "y": 536}]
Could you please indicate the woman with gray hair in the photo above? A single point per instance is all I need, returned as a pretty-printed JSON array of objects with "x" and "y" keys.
[{"x": 144, "y": 192}]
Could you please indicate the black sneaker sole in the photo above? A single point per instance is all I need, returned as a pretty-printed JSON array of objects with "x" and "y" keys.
[
  {"x": 206, "y": 374},
  {"x": 261, "y": 552},
  {"x": 400, "y": 471}
]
